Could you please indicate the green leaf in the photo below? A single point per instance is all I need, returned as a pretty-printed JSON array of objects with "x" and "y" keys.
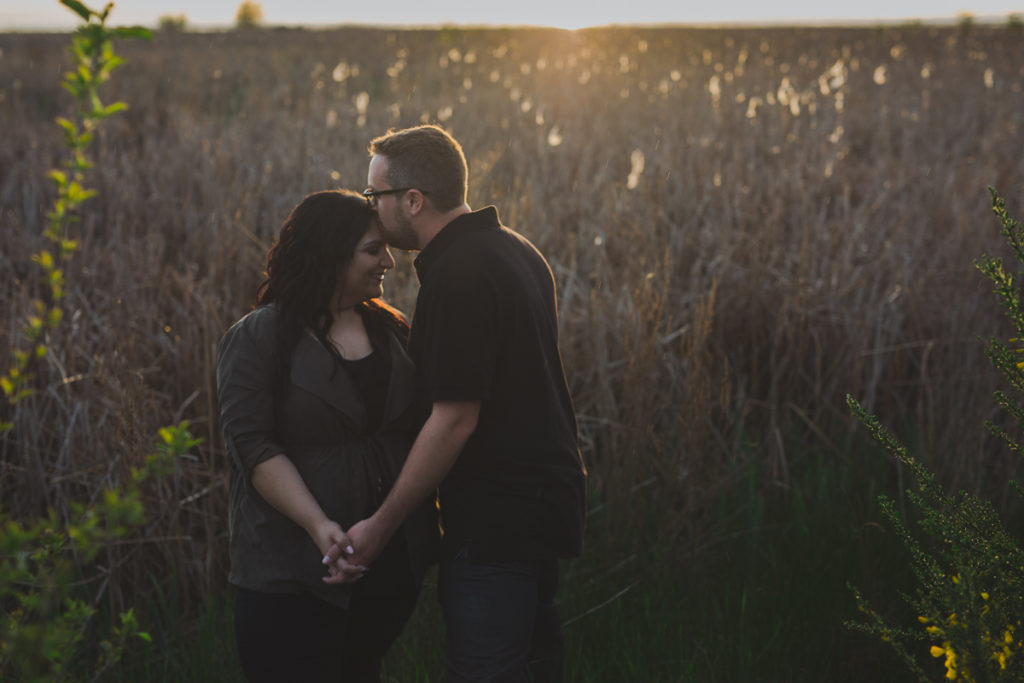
[
  {"x": 78, "y": 8},
  {"x": 54, "y": 318},
  {"x": 84, "y": 75},
  {"x": 111, "y": 109},
  {"x": 44, "y": 259},
  {"x": 78, "y": 194},
  {"x": 133, "y": 32}
]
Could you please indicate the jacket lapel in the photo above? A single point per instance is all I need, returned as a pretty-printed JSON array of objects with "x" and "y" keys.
[{"x": 314, "y": 370}]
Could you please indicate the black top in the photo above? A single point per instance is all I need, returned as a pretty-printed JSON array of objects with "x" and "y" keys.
[
  {"x": 486, "y": 329},
  {"x": 370, "y": 373}
]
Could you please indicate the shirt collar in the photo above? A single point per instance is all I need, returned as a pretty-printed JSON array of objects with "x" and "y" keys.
[{"x": 485, "y": 218}]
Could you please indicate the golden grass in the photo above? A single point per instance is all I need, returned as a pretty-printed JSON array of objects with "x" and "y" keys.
[{"x": 745, "y": 225}]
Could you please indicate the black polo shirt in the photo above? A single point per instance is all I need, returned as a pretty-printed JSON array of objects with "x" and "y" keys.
[{"x": 486, "y": 328}]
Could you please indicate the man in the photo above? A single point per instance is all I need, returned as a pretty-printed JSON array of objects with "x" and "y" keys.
[{"x": 500, "y": 443}]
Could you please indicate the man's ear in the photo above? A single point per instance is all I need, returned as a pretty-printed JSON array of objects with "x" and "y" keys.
[{"x": 414, "y": 201}]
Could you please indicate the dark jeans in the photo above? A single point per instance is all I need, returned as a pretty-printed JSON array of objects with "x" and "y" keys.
[
  {"x": 502, "y": 620},
  {"x": 296, "y": 637}
]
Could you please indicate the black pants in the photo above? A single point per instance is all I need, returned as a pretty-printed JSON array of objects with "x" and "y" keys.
[{"x": 296, "y": 637}]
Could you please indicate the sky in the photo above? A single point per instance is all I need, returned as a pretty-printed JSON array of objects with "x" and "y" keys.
[{"x": 51, "y": 15}]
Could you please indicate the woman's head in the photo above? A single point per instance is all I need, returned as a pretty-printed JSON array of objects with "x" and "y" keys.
[{"x": 309, "y": 259}]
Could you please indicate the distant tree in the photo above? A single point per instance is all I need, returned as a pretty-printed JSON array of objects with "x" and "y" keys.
[
  {"x": 1014, "y": 22},
  {"x": 965, "y": 20},
  {"x": 249, "y": 15},
  {"x": 172, "y": 23}
]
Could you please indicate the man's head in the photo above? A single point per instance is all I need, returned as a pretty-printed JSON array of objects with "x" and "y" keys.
[
  {"x": 417, "y": 183},
  {"x": 426, "y": 158}
]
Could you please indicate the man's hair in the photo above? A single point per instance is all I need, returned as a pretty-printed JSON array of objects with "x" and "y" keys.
[{"x": 428, "y": 159}]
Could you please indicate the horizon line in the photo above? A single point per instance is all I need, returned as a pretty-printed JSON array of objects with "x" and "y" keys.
[{"x": 943, "y": 20}]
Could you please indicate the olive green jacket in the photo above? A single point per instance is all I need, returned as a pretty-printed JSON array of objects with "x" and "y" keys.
[{"x": 319, "y": 422}]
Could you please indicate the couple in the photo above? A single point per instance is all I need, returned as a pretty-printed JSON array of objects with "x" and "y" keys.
[{"x": 344, "y": 427}]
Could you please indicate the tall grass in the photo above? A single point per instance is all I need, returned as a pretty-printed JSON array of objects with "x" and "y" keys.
[{"x": 745, "y": 225}]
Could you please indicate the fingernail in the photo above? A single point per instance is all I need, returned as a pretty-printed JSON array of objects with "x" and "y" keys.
[
  {"x": 350, "y": 550},
  {"x": 326, "y": 560}
]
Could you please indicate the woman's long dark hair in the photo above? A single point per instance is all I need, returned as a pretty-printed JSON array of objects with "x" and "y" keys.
[{"x": 314, "y": 245}]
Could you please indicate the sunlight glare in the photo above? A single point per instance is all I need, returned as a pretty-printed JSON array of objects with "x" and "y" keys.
[{"x": 636, "y": 160}]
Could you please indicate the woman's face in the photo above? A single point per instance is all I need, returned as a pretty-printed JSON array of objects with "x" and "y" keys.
[{"x": 364, "y": 277}]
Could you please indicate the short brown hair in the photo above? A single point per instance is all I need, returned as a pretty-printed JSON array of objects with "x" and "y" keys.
[{"x": 427, "y": 158}]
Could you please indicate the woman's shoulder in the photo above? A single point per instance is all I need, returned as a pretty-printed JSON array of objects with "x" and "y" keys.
[
  {"x": 259, "y": 319},
  {"x": 259, "y": 327}
]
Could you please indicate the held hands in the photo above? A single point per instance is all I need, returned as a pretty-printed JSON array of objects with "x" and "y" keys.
[
  {"x": 328, "y": 535},
  {"x": 361, "y": 546}
]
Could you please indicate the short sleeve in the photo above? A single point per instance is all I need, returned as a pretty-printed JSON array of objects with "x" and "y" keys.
[{"x": 458, "y": 335}]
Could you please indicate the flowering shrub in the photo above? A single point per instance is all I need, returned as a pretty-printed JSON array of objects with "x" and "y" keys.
[{"x": 970, "y": 568}]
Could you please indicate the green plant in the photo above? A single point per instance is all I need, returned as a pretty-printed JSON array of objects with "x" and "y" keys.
[
  {"x": 970, "y": 596},
  {"x": 44, "y": 579},
  {"x": 1014, "y": 22},
  {"x": 49, "y": 583},
  {"x": 249, "y": 15},
  {"x": 94, "y": 60}
]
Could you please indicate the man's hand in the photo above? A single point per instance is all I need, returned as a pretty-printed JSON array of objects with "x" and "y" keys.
[
  {"x": 327, "y": 535},
  {"x": 366, "y": 539}
]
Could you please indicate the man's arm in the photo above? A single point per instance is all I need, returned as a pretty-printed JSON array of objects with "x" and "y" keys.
[{"x": 434, "y": 452}]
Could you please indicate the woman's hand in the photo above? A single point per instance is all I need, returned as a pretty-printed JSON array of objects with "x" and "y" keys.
[{"x": 327, "y": 534}]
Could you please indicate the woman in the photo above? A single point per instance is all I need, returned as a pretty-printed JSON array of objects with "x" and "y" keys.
[{"x": 318, "y": 412}]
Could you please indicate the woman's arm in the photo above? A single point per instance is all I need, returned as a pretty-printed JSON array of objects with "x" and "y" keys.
[{"x": 280, "y": 484}]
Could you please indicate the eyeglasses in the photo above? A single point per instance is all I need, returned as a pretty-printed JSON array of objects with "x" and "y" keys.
[{"x": 371, "y": 195}]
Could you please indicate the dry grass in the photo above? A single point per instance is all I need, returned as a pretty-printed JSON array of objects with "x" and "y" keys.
[{"x": 802, "y": 226}]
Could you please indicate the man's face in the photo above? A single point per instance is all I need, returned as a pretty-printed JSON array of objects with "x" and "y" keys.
[{"x": 395, "y": 223}]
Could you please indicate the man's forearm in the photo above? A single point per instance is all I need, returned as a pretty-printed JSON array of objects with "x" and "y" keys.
[{"x": 434, "y": 452}]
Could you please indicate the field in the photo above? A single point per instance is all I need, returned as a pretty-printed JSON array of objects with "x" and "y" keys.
[{"x": 745, "y": 226}]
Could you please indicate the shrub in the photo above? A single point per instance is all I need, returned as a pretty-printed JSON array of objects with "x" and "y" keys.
[{"x": 970, "y": 596}]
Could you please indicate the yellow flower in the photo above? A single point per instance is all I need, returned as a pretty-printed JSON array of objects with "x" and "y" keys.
[
  {"x": 984, "y": 596},
  {"x": 1008, "y": 636},
  {"x": 934, "y": 630},
  {"x": 946, "y": 649}
]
